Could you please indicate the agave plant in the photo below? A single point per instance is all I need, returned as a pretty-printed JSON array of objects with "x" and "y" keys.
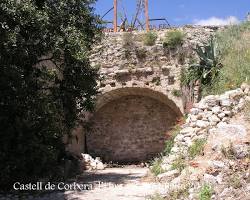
[{"x": 209, "y": 65}]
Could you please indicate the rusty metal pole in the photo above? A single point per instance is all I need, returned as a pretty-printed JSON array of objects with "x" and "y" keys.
[
  {"x": 115, "y": 16},
  {"x": 146, "y": 15}
]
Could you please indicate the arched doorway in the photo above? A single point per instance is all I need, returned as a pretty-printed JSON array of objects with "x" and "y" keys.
[{"x": 131, "y": 125}]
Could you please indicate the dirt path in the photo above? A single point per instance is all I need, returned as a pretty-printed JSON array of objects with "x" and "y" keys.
[{"x": 116, "y": 184}]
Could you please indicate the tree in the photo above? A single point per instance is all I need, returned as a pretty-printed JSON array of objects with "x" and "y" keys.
[{"x": 45, "y": 82}]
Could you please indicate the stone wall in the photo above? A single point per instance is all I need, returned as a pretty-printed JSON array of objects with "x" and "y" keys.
[
  {"x": 211, "y": 113},
  {"x": 130, "y": 129},
  {"x": 138, "y": 101},
  {"x": 125, "y": 61}
]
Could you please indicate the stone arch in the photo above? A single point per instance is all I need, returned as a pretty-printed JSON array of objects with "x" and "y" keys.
[{"x": 131, "y": 124}]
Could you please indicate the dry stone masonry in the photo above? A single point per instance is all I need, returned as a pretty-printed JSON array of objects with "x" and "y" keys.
[
  {"x": 138, "y": 102},
  {"x": 210, "y": 115},
  {"x": 211, "y": 120}
]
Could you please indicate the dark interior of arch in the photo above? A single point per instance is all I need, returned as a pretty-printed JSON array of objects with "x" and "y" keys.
[{"x": 130, "y": 129}]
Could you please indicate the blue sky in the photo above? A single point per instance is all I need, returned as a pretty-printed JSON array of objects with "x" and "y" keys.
[{"x": 179, "y": 12}]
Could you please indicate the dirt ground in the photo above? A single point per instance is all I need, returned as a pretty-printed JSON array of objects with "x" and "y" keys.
[{"x": 128, "y": 183}]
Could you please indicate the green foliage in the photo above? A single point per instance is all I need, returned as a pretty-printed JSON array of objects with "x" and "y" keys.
[
  {"x": 234, "y": 46},
  {"x": 156, "y": 168},
  {"x": 45, "y": 83},
  {"x": 176, "y": 93},
  {"x": 208, "y": 68},
  {"x": 206, "y": 192},
  {"x": 173, "y": 39},
  {"x": 156, "y": 80},
  {"x": 170, "y": 142},
  {"x": 196, "y": 148},
  {"x": 179, "y": 163},
  {"x": 149, "y": 38}
]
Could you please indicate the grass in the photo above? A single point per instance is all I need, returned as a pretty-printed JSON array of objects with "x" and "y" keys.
[
  {"x": 235, "y": 181},
  {"x": 156, "y": 80},
  {"x": 196, "y": 148},
  {"x": 173, "y": 39},
  {"x": 149, "y": 38},
  {"x": 155, "y": 196},
  {"x": 180, "y": 193},
  {"x": 246, "y": 110},
  {"x": 228, "y": 152},
  {"x": 156, "y": 168},
  {"x": 176, "y": 93},
  {"x": 179, "y": 163},
  {"x": 206, "y": 192},
  {"x": 233, "y": 44},
  {"x": 170, "y": 142}
]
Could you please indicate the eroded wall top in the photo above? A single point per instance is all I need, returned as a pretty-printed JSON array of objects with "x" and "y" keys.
[{"x": 125, "y": 61}]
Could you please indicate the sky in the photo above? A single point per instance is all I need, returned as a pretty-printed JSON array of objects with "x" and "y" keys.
[{"x": 180, "y": 12}]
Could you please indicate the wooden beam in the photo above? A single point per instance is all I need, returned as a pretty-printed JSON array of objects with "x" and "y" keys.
[
  {"x": 146, "y": 15},
  {"x": 115, "y": 16}
]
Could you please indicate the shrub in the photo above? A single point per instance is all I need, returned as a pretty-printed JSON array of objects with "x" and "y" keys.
[
  {"x": 235, "y": 181},
  {"x": 170, "y": 142},
  {"x": 46, "y": 82},
  {"x": 173, "y": 39},
  {"x": 156, "y": 168},
  {"x": 156, "y": 196},
  {"x": 207, "y": 69},
  {"x": 176, "y": 93},
  {"x": 206, "y": 192},
  {"x": 179, "y": 163},
  {"x": 156, "y": 80},
  {"x": 179, "y": 193},
  {"x": 149, "y": 38},
  {"x": 228, "y": 152},
  {"x": 196, "y": 148},
  {"x": 234, "y": 46}
]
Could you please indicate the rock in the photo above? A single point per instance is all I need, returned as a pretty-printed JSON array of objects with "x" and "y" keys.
[
  {"x": 216, "y": 109},
  {"x": 241, "y": 151},
  {"x": 244, "y": 87},
  {"x": 226, "y": 134},
  {"x": 218, "y": 164},
  {"x": 194, "y": 111},
  {"x": 202, "y": 124},
  {"x": 225, "y": 119},
  {"x": 100, "y": 166},
  {"x": 211, "y": 100},
  {"x": 208, "y": 178},
  {"x": 221, "y": 115},
  {"x": 91, "y": 164},
  {"x": 225, "y": 101},
  {"x": 122, "y": 72},
  {"x": 166, "y": 167},
  {"x": 202, "y": 105},
  {"x": 187, "y": 130},
  {"x": 175, "y": 149},
  {"x": 179, "y": 137},
  {"x": 235, "y": 94},
  {"x": 168, "y": 175},
  {"x": 214, "y": 118},
  {"x": 220, "y": 179}
]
